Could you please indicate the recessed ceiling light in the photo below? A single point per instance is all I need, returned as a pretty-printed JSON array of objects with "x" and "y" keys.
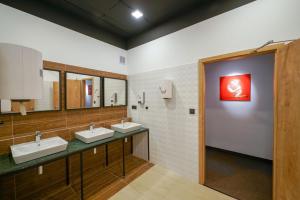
[{"x": 137, "y": 14}]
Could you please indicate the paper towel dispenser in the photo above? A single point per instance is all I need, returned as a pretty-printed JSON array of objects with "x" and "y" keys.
[
  {"x": 166, "y": 89},
  {"x": 21, "y": 73}
]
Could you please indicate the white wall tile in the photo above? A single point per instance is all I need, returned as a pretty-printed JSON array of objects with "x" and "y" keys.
[{"x": 173, "y": 131}]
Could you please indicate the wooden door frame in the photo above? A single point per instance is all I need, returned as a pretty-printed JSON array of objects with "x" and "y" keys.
[{"x": 201, "y": 74}]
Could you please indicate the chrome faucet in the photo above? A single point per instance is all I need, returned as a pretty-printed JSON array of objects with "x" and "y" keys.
[
  {"x": 38, "y": 135},
  {"x": 92, "y": 126}
]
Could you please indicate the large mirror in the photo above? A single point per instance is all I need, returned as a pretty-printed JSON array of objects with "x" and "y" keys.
[
  {"x": 50, "y": 100},
  {"x": 82, "y": 91},
  {"x": 115, "y": 92}
]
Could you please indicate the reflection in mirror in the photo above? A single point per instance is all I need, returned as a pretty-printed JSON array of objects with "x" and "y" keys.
[
  {"x": 83, "y": 91},
  {"x": 50, "y": 97},
  {"x": 114, "y": 92}
]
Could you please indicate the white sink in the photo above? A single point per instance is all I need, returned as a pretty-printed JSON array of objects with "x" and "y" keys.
[
  {"x": 126, "y": 127},
  {"x": 94, "y": 135},
  {"x": 31, "y": 150}
]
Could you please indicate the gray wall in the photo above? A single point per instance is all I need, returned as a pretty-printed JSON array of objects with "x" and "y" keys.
[{"x": 244, "y": 127}]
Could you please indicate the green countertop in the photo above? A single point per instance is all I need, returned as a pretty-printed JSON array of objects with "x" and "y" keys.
[{"x": 8, "y": 166}]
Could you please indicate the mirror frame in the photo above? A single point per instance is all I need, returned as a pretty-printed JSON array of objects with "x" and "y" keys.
[
  {"x": 60, "y": 96},
  {"x": 86, "y": 74},
  {"x": 126, "y": 92}
]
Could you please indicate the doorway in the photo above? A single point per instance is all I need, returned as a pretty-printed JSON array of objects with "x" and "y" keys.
[
  {"x": 202, "y": 104},
  {"x": 286, "y": 151},
  {"x": 239, "y": 126},
  {"x": 87, "y": 93}
]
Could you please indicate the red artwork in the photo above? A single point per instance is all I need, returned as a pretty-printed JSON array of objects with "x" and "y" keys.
[
  {"x": 90, "y": 90},
  {"x": 235, "y": 88}
]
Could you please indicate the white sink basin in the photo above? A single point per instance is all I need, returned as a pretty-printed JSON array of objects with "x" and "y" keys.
[
  {"x": 126, "y": 127},
  {"x": 31, "y": 150},
  {"x": 94, "y": 135}
]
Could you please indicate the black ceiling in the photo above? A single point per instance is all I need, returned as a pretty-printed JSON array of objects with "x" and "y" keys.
[{"x": 111, "y": 21}]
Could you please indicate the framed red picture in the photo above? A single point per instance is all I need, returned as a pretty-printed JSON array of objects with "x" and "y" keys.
[
  {"x": 90, "y": 90},
  {"x": 235, "y": 88}
]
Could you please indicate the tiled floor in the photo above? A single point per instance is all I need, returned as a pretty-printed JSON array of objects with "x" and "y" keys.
[{"x": 161, "y": 183}]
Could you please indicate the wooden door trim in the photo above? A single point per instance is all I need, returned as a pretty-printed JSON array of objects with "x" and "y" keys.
[{"x": 201, "y": 121}]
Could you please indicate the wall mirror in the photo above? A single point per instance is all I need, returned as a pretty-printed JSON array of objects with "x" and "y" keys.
[
  {"x": 82, "y": 91},
  {"x": 50, "y": 100},
  {"x": 115, "y": 92}
]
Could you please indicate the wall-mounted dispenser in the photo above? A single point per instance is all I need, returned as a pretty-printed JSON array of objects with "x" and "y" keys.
[
  {"x": 21, "y": 74},
  {"x": 142, "y": 98},
  {"x": 166, "y": 89}
]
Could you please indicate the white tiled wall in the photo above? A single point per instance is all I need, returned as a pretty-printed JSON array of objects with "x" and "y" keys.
[
  {"x": 46, "y": 102},
  {"x": 114, "y": 86},
  {"x": 173, "y": 131}
]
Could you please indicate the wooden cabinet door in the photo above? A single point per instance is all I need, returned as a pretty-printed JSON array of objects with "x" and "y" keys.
[{"x": 287, "y": 145}]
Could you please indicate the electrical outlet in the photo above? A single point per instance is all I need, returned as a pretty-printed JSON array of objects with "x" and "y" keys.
[{"x": 192, "y": 111}]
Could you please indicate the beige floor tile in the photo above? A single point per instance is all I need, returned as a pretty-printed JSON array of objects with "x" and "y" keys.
[{"x": 159, "y": 183}]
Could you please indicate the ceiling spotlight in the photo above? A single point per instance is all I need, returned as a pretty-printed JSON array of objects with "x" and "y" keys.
[{"x": 137, "y": 14}]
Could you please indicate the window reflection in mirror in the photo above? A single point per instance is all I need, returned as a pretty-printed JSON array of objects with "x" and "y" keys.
[
  {"x": 83, "y": 91},
  {"x": 50, "y": 97},
  {"x": 114, "y": 92}
]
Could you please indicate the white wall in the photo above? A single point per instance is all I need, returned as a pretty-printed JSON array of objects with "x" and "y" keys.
[
  {"x": 243, "y": 28},
  {"x": 49, "y": 75},
  {"x": 241, "y": 126},
  {"x": 173, "y": 131},
  {"x": 57, "y": 43},
  {"x": 46, "y": 102}
]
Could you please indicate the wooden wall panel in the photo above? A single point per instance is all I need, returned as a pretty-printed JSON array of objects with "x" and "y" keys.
[
  {"x": 30, "y": 185},
  {"x": 5, "y": 145},
  {"x": 5, "y": 127},
  {"x": 115, "y": 150},
  {"x": 56, "y": 96},
  {"x": 29, "y": 105},
  {"x": 17, "y": 129},
  {"x": 7, "y": 188},
  {"x": 287, "y": 147},
  {"x": 92, "y": 162}
]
